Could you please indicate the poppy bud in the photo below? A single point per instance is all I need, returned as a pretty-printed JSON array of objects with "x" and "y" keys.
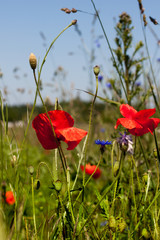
[
  {"x": 145, "y": 233},
  {"x": 58, "y": 185},
  {"x": 33, "y": 61},
  {"x": 112, "y": 223},
  {"x": 116, "y": 168},
  {"x": 13, "y": 160},
  {"x": 96, "y": 70},
  {"x": 31, "y": 170},
  {"x": 145, "y": 178},
  {"x": 74, "y": 22},
  {"x": 155, "y": 152}
]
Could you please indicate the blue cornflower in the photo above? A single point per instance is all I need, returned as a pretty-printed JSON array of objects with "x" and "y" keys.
[
  {"x": 102, "y": 224},
  {"x": 158, "y": 59},
  {"x": 102, "y": 143},
  {"x": 97, "y": 43},
  {"x": 109, "y": 85},
  {"x": 125, "y": 142},
  {"x": 100, "y": 78},
  {"x": 138, "y": 84},
  {"x": 102, "y": 130}
]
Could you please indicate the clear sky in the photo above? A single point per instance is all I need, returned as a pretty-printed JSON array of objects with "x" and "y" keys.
[{"x": 30, "y": 26}]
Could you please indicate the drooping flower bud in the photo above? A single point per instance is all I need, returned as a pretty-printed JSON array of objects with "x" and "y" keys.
[{"x": 33, "y": 61}]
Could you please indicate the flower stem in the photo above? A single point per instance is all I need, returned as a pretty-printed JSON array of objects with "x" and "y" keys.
[
  {"x": 114, "y": 61},
  {"x": 34, "y": 216}
]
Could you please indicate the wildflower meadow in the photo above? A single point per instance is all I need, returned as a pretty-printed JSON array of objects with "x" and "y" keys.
[{"x": 81, "y": 169}]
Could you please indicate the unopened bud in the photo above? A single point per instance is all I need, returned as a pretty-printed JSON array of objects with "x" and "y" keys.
[
  {"x": 33, "y": 61},
  {"x": 145, "y": 233},
  {"x": 13, "y": 160},
  {"x": 96, "y": 70},
  {"x": 145, "y": 178},
  {"x": 58, "y": 185},
  {"x": 74, "y": 22},
  {"x": 112, "y": 223},
  {"x": 31, "y": 170}
]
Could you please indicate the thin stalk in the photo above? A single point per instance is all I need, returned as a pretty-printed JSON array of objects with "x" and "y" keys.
[
  {"x": 33, "y": 206},
  {"x": 114, "y": 61},
  {"x": 89, "y": 130},
  {"x": 69, "y": 196},
  {"x": 146, "y": 45}
]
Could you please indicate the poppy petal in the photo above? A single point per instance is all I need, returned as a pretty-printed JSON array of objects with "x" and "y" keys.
[
  {"x": 61, "y": 119},
  {"x": 127, "y": 111},
  {"x": 143, "y": 114},
  {"x": 128, "y": 123},
  {"x": 44, "y": 131},
  {"x": 148, "y": 126},
  {"x": 72, "y": 136},
  {"x": 89, "y": 169}
]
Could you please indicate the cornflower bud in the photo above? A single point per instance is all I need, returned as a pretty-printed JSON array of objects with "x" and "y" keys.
[{"x": 33, "y": 61}]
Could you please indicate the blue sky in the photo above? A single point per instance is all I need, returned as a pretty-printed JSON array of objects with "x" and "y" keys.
[{"x": 22, "y": 21}]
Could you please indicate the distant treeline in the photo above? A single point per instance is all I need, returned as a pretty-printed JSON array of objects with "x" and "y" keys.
[{"x": 78, "y": 108}]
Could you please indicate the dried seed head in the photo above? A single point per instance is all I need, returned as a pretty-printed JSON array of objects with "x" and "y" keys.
[
  {"x": 74, "y": 21},
  {"x": 33, "y": 61},
  {"x": 64, "y": 9},
  {"x": 144, "y": 20},
  {"x": 74, "y": 10},
  {"x": 67, "y": 11},
  {"x": 153, "y": 20}
]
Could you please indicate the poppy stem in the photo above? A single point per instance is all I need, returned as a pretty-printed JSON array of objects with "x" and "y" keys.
[
  {"x": 96, "y": 72},
  {"x": 34, "y": 216},
  {"x": 146, "y": 160},
  {"x": 155, "y": 138},
  {"x": 58, "y": 144}
]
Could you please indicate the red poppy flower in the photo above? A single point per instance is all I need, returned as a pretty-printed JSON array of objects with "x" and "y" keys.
[
  {"x": 137, "y": 123},
  {"x": 90, "y": 169},
  {"x": 9, "y": 198},
  {"x": 63, "y": 126}
]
